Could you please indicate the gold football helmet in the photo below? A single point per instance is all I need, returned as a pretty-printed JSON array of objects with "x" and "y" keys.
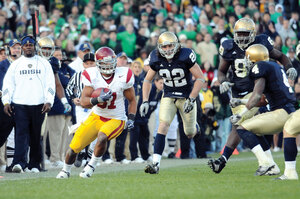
[
  {"x": 244, "y": 32},
  {"x": 255, "y": 53},
  {"x": 45, "y": 47},
  {"x": 168, "y": 45}
]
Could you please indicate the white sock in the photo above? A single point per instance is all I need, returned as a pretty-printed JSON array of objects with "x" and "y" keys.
[
  {"x": 156, "y": 158},
  {"x": 94, "y": 160},
  {"x": 269, "y": 155},
  {"x": 67, "y": 167},
  {"x": 260, "y": 155},
  {"x": 290, "y": 165}
]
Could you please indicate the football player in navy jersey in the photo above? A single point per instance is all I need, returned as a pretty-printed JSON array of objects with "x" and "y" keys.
[
  {"x": 45, "y": 48},
  {"x": 232, "y": 53},
  {"x": 176, "y": 65},
  {"x": 270, "y": 79}
]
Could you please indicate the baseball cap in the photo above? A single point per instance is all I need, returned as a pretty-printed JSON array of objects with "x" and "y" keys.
[
  {"x": 122, "y": 54},
  {"x": 27, "y": 39},
  {"x": 89, "y": 57},
  {"x": 84, "y": 46},
  {"x": 13, "y": 42}
]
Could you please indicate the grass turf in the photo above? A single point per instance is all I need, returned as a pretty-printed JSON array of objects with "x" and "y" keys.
[{"x": 177, "y": 179}]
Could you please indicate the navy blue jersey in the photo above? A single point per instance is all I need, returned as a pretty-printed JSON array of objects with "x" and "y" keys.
[
  {"x": 230, "y": 52},
  {"x": 176, "y": 74},
  {"x": 278, "y": 91},
  {"x": 4, "y": 65}
]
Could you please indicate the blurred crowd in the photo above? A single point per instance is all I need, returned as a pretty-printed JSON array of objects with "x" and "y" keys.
[{"x": 133, "y": 27}]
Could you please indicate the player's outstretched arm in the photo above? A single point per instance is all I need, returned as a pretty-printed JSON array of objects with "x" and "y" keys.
[
  {"x": 199, "y": 80},
  {"x": 85, "y": 99},
  {"x": 223, "y": 68},
  {"x": 147, "y": 84},
  {"x": 286, "y": 62},
  {"x": 257, "y": 93},
  {"x": 130, "y": 96}
]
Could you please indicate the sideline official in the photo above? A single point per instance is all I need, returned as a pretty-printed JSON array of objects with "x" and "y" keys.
[{"x": 28, "y": 93}]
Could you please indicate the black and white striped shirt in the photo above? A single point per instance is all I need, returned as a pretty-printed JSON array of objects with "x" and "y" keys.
[{"x": 75, "y": 86}]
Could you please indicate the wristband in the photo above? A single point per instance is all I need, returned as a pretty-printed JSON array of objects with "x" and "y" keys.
[
  {"x": 94, "y": 101},
  {"x": 64, "y": 100},
  {"x": 131, "y": 116},
  {"x": 201, "y": 79}
]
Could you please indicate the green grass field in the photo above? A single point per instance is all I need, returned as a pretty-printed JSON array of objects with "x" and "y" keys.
[{"x": 177, "y": 179}]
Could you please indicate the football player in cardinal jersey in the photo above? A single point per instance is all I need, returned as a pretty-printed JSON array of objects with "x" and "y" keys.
[
  {"x": 176, "y": 65},
  {"x": 232, "y": 53},
  {"x": 108, "y": 117}
]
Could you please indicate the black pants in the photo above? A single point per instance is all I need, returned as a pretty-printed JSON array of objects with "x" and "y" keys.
[
  {"x": 199, "y": 140},
  {"x": 139, "y": 134},
  {"x": 29, "y": 120},
  {"x": 120, "y": 146},
  {"x": 6, "y": 125}
]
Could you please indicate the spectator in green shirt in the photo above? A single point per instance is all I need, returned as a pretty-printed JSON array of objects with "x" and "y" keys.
[{"x": 128, "y": 40}]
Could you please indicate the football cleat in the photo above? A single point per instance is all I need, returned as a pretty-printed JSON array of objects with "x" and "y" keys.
[
  {"x": 217, "y": 165},
  {"x": 274, "y": 171},
  {"x": 87, "y": 172},
  {"x": 63, "y": 174},
  {"x": 152, "y": 168},
  {"x": 290, "y": 174},
  {"x": 262, "y": 170}
]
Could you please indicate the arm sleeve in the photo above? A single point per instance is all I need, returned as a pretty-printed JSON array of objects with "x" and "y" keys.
[
  {"x": 86, "y": 79},
  {"x": 8, "y": 85},
  {"x": 50, "y": 84}
]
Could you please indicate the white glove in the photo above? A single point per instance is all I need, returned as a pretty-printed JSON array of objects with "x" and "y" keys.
[
  {"x": 67, "y": 107},
  {"x": 235, "y": 118},
  {"x": 291, "y": 73},
  {"x": 104, "y": 96},
  {"x": 189, "y": 104},
  {"x": 234, "y": 102},
  {"x": 225, "y": 86},
  {"x": 144, "y": 108}
]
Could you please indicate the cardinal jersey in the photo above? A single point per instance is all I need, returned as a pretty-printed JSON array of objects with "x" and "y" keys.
[
  {"x": 122, "y": 80},
  {"x": 233, "y": 54},
  {"x": 277, "y": 89},
  {"x": 177, "y": 77}
]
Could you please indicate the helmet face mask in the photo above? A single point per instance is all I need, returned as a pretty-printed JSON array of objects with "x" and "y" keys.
[
  {"x": 46, "y": 47},
  {"x": 244, "y": 32},
  {"x": 168, "y": 45},
  {"x": 106, "y": 60}
]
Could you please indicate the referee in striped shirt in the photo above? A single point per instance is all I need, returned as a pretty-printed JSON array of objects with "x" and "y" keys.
[{"x": 75, "y": 87}]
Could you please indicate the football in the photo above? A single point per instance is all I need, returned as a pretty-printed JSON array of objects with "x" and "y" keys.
[{"x": 97, "y": 91}]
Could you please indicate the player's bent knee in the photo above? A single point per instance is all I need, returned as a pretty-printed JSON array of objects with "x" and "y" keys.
[{"x": 190, "y": 136}]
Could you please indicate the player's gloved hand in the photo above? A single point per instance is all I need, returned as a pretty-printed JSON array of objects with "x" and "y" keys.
[
  {"x": 104, "y": 96},
  {"x": 130, "y": 122},
  {"x": 66, "y": 104},
  {"x": 235, "y": 118},
  {"x": 225, "y": 86},
  {"x": 144, "y": 108},
  {"x": 292, "y": 73},
  {"x": 189, "y": 104},
  {"x": 234, "y": 102},
  {"x": 67, "y": 107}
]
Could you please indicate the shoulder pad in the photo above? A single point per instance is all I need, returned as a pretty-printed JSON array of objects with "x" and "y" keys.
[
  {"x": 226, "y": 48},
  {"x": 264, "y": 40},
  {"x": 228, "y": 44},
  {"x": 184, "y": 53},
  {"x": 153, "y": 57}
]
